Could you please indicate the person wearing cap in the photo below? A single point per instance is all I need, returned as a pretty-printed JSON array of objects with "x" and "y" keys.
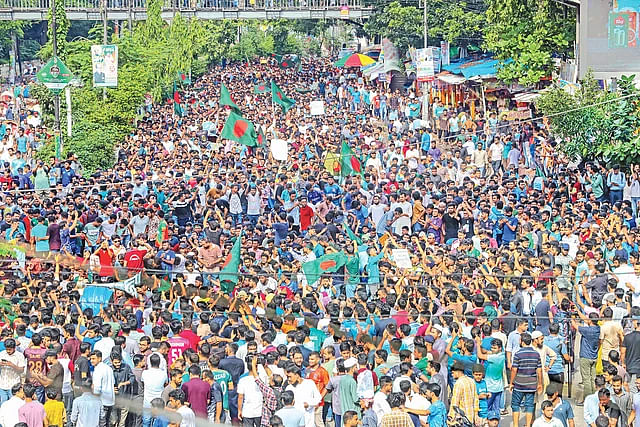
[
  {"x": 547, "y": 358},
  {"x": 464, "y": 395},
  {"x": 349, "y": 400}
]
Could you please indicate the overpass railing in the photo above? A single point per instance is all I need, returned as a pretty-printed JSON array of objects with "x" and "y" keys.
[{"x": 211, "y": 5}]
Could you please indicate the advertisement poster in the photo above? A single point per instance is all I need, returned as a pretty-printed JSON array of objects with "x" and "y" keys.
[
  {"x": 444, "y": 51},
  {"x": 424, "y": 65},
  {"x": 104, "y": 59}
]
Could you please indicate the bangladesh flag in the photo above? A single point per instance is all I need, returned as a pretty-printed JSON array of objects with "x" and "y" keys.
[
  {"x": 239, "y": 129},
  {"x": 349, "y": 162},
  {"x": 332, "y": 163},
  {"x": 177, "y": 101},
  {"x": 184, "y": 78},
  {"x": 226, "y": 99},
  {"x": 329, "y": 263},
  {"x": 262, "y": 139},
  {"x": 260, "y": 88},
  {"x": 351, "y": 234},
  {"x": 278, "y": 97},
  {"x": 229, "y": 273},
  {"x": 289, "y": 61}
]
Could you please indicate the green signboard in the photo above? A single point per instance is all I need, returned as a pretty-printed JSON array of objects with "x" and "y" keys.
[{"x": 55, "y": 75}]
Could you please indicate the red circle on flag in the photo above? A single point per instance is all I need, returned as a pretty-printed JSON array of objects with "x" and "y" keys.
[
  {"x": 261, "y": 87},
  {"x": 279, "y": 95},
  {"x": 239, "y": 128},
  {"x": 325, "y": 265},
  {"x": 183, "y": 76},
  {"x": 285, "y": 64},
  {"x": 355, "y": 164}
]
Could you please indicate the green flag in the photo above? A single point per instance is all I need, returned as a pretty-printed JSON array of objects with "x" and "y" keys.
[
  {"x": 185, "y": 78},
  {"x": 177, "y": 101},
  {"x": 260, "y": 88},
  {"x": 278, "y": 97},
  {"x": 239, "y": 129},
  {"x": 328, "y": 263},
  {"x": 349, "y": 162},
  {"x": 229, "y": 273},
  {"x": 226, "y": 99},
  {"x": 288, "y": 61},
  {"x": 351, "y": 234}
]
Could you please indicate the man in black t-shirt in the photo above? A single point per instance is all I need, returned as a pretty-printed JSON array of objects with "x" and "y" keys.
[
  {"x": 610, "y": 409},
  {"x": 82, "y": 367},
  {"x": 630, "y": 353}
]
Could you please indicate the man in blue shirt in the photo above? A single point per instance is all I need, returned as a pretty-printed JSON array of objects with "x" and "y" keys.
[
  {"x": 563, "y": 410},
  {"x": 509, "y": 226},
  {"x": 589, "y": 345}
]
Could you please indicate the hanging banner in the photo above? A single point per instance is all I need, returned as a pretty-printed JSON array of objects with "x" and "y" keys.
[
  {"x": 444, "y": 51},
  {"x": 424, "y": 65},
  {"x": 391, "y": 57},
  {"x": 104, "y": 59},
  {"x": 128, "y": 286}
]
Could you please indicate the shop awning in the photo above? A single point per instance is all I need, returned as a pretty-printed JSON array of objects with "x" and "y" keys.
[
  {"x": 451, "y": 79},
  {"x": 526, "y": 96},
  {"x": 485, "y": 68}
]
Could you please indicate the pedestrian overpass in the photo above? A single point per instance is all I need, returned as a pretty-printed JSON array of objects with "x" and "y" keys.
[{"x": 123, "y": 10}]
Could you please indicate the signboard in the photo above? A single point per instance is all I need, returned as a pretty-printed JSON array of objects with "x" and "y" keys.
[
  {"x": 444, "y": 51},
  {"x": 435, "y": 57},
  {"x": 401, "y": 258},
  {"x": 317, "y": 108},
  {"x": 104, "y": 59},
  {"x": 344, "y": 12},
  {"x": 517, "y": 114},
  {"x": 425, "y": 70},
  {"x": 55, "y": 75},
  {"x": 279, "y": 149}
]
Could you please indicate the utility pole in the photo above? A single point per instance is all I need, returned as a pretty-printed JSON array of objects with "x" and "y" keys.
[
  {"x": 104, "y": 38},
  {"x": 56, "y": 98},
  {"x": 425, "y": 25},
  {"x": 130, "y": 17}
]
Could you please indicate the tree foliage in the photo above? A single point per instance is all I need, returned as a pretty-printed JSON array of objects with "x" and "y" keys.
[
  {"x": 150, "y": 59},
  {"x": 594, "y": 124},
  {"x": 62, "y": 29},
  {"x": 400, "y": 24},
  {"x": 526, "y": 35}
]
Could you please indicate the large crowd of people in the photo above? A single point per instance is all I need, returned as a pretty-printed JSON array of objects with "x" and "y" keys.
[{"x": 465, "y": 274}]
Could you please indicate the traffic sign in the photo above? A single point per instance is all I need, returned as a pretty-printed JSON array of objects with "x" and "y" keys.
[{"x": 55, "y": 75}]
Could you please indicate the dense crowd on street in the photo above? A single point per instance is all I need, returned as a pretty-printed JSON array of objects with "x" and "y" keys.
[{"x": 482, "y": 278}]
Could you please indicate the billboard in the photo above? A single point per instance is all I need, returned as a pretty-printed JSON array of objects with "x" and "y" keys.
[
  {"x": 104, "y": 59},
  {"x": 609, "y": 42}
]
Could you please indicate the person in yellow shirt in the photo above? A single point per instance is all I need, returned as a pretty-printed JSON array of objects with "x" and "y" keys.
[{"x": 54, "y": 409}]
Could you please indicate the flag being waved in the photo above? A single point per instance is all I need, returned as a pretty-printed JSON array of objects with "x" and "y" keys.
[
  {"x": 229, "y": 273},
  {"x": 260, "y": 88},
  {"x": 239, "y": 129},
  {"x": 329, "y": 263},
  {"x": 332, "y": 163},
  {"x": 177, "y": 101},
  {"x": 349, "y": 162},
  {"x": 278, "y": 97},
  {"x": 226, "y": 99}
]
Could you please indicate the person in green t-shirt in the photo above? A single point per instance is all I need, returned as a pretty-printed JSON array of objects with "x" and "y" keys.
[
  {"x": 352, "y": 268},
  {"x": 223, "y": 378}
]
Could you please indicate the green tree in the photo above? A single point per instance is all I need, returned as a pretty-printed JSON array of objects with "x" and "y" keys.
[
  {"x": 400, "y": 24},
  {"x": 594, "y": 124},
  {"x": 62, "y": 29},
  {"x": 526, "y": 35}
]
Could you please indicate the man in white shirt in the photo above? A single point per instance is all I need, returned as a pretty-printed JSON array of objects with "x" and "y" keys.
[
  {"x": 103, "y": 386},
  {"x": 547, "y": 419},
  {"x": 12, "y": 365},
  {"x": 306, "y": 394},
  {"x": 176, "y": 401},
  {"x": 249, "y": 401},
  {"x": 9, "y": 409},
  {"x": 380, "y": 403},
  {"x": 154, "y": 380},
  {"x": 106, "y": 343}
]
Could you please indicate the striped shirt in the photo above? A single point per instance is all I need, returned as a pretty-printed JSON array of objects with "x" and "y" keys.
[{"x": 526, "y": 361}]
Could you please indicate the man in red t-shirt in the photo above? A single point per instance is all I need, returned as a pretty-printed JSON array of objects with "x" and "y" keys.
[
  {"x": 306, "y": 213},
  {"x": 178, "y": 344},
  {"x": 320, "y": 376},
  {"x": 134, "y": 258}
]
